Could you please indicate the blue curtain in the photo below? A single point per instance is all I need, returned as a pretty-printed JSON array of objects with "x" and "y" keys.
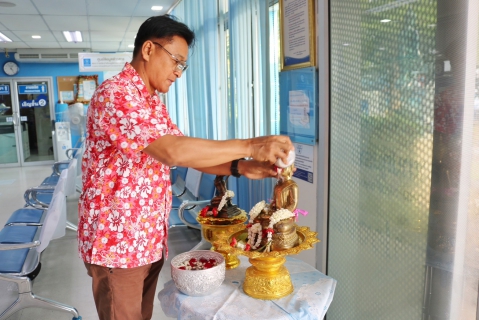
[
  {"x": 196, "y": 95},
  {"x": 249, "y": 83},
  {"x": 195, "y": 101}
]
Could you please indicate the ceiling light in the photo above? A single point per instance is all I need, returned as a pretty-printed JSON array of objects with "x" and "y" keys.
[
  {"x": 73, "y": 36},
  {"x": 131, "y": 46},
  {"x": 36, "y": 37},
  {"x": 385, "y": 20},
  {"x": 4, "y": 38},
  {"x": 157, "y": 8},
  {"x": 346, "y": 44},
  {"x": 7, "y": 4}
]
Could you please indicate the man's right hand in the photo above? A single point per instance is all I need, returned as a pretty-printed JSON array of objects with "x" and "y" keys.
[{"x": 270, "y": 148}]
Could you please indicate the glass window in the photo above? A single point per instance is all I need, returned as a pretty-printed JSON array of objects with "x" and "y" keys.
[{"x": 404, "y": 166}]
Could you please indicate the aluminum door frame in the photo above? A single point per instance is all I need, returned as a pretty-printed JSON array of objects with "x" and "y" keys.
[{"x": 16, "y": 114}]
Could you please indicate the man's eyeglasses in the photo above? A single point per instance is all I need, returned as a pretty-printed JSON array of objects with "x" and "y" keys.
[{"x": 180, "y": 65}]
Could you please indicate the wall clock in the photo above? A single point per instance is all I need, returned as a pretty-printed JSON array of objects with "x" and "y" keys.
[{"x": 10, "y": 68}]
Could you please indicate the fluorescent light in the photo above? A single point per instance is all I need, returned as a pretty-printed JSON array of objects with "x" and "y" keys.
[
  {"x": 131, "y": 46},
  {"x": 157, "y": 8},
  {"x": 36, "y": 37},
  {"x": 385, "y": 20},
  {"x": 73, "y": 36},
  {"x": 4, "y": 38}
]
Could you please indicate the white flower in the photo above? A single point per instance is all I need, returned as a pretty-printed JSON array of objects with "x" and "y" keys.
[
  {"x": 255, "y": 231},
  {"x": 228, "y": 194},
  {"x": 253, "y": 213},
  {"x": 278, "y": 216}
]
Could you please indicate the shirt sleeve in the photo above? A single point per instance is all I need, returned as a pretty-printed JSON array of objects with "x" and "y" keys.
[{"x": 130, "y": 123}]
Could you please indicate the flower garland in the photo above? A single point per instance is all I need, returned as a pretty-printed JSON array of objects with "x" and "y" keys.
[
  {"x": 278, "y": 216},
  {"x": 253, "y": 213},
  {"x": 256, "y": 231},
  {"x": 208, "y": 210},
  {"x": 228, "y": 194}
]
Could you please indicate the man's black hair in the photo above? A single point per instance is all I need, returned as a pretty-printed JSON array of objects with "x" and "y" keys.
[{"x": 162, "y": 27}]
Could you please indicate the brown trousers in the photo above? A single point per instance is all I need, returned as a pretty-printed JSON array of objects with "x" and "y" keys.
[{"x": 124, "y": 294}]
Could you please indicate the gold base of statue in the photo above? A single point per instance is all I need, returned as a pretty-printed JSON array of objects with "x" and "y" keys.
[
  {"x": 215, "y": 228},
  {"x": 268, "y": 278}
]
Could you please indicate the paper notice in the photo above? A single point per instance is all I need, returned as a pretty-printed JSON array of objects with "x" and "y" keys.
[{"x": 299, "y": 109}]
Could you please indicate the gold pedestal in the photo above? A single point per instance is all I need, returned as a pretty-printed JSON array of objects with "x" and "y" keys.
[
  {"x": 215, "y": 228},
  {"x": 267, "y": 278}
]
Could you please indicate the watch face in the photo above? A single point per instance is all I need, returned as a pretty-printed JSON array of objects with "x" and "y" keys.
[{"x": 10, "y": 68}]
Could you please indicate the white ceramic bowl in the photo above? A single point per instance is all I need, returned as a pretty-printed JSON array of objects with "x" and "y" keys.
[{"x": 198, "y": 282}]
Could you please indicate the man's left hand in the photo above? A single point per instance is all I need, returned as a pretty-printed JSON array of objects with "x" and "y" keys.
[{"x": 253, "y": 169}]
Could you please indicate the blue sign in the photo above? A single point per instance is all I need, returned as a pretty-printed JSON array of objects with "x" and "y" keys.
[
  {"x": 4, "y": 89},
  {"x": 34, "y": 103},
  {"x": 299, "y": 104},
  {"x": 303, "y": 175},
  {"x": 32, "y": 88},
  {"x": 87, "y": 62}
]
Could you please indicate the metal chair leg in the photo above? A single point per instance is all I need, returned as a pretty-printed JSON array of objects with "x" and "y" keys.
[{"x": 72, "y": 226}]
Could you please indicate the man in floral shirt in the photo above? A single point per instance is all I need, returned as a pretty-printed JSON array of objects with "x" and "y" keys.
[{"x": 131, "y": 144}]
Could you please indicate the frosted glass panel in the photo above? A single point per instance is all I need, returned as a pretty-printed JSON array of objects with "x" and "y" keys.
[{"x": 404, "y": 166}]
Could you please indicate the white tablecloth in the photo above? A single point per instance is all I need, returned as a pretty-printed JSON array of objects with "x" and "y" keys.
[{"x": 312, "y": 295}]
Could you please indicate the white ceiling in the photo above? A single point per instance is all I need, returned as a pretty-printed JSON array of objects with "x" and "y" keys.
[{"x": 106, "y": 25}]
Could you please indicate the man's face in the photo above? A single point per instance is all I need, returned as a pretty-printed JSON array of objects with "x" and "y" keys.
[{"x": 161, "y": 67}]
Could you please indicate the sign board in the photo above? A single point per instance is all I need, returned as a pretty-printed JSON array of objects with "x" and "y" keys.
[
  {"x": 299, "y": 104},
  {"x": 297, "y": 22},
  {"x": 304, "y": 162},
  {"x": 39, "y": 102},
  {"x": 32, "y": 88},
  {"x": 4, "y": 89},
  {"x": 92, "y": 61}
]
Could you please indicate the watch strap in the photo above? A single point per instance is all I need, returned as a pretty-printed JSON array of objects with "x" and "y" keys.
[{"x": 234, "y": 168}]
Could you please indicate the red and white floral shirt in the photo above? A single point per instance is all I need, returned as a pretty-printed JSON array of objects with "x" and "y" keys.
[{"x": 126, "y": 198}]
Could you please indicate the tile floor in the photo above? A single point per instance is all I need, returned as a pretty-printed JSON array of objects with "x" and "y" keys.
[{"x": 63, "y": 277}]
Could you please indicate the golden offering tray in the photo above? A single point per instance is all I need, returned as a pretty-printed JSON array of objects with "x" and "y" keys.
[
  {"x": 267, "y": 278},
  {"x": 214, "y": 228}
]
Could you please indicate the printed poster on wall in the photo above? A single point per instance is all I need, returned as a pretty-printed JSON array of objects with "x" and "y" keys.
[
  {"x": 298, "y": 105},
  {"x": 297, "y": 34}
]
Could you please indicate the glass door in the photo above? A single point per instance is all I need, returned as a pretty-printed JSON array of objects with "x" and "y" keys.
[
  {"x": 26, "y": 106},
  {"x": 34, "y": 101},
  {"x": 8, "y": 125}
]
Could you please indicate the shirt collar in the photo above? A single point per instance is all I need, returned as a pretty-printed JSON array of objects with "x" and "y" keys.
[{"x": 133, "y": 75}]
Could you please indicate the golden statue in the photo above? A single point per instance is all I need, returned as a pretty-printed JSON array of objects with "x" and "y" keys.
[
  {"x": 285, "y": 191},
  {"x": 285, "y": 196}
]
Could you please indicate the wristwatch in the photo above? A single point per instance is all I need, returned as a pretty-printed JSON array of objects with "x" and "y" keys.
[{"x": 234, "y": 168}]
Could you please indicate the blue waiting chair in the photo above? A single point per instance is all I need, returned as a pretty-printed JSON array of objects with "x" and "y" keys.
[
  {"x": 20, "y": 250},
  {"x": 193, "y": 207}
]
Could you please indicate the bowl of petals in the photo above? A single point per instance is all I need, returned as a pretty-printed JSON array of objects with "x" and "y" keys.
[{"x": 198, "y": 272}]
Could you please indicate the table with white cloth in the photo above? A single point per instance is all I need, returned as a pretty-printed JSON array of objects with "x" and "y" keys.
[{"x": 312, "y": 295}]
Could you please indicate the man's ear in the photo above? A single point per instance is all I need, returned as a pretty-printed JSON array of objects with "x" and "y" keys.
[{"x": 146, "y": 50}]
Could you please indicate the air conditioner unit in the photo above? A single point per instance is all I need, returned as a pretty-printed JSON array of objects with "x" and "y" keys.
[{"x": 48, "y": 55}]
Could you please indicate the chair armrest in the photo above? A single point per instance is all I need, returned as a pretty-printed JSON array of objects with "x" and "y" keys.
[
  {"x": 69, "y": 152},
  {"x": 14, "y": 246},
  {"x": 189, "y": 205},
  {"x": 30, "y": 196},
  {"x": 56, "y": 166}
]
